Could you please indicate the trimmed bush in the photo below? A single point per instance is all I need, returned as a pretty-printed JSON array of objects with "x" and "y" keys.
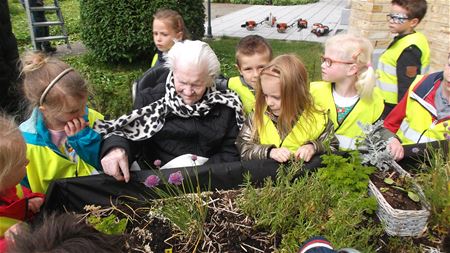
[
  {"x": 117, "y": 30},
  {"x": 262, "y": 2}
]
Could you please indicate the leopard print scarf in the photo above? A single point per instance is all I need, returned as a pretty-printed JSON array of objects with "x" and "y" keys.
[{"x": 143, "y": 123}]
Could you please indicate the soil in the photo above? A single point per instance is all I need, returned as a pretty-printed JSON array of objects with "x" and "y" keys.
[
  {"x": 226, "y": 229},
  {"x": 398, "y": 199}
]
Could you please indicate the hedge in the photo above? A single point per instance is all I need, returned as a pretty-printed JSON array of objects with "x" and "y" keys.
[
  {"x": 262, "y": 2},
  {"x": 117, "y": 30}
]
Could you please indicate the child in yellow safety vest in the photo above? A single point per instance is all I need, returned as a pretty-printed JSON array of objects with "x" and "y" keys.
[
  {"x": 59, "y": 137},
  {"x": 423, "y": 115},
  {"x": 407, "y": 56},
  {"x": 286, "y": 123},
  {"x": 17, "y": 203},
  {"x": 253, "y": 53},
  {"x": 348, "y": 89},
  {"x": 168, "y": 27}
]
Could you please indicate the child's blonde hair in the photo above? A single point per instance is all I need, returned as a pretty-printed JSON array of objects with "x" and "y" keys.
[
  {"x": 354, "y": 48},
  {"x": 295, "y": 96},
  {"x": 13, "y": 149},
  {"x": 174, "y": 20},
  {"x": 39, "y": 71}
]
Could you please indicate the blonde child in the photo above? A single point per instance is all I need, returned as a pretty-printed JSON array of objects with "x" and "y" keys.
[
  {"x": 348, "y": 88},
  {"x": 285, "y": 122},
  {"x": 253, "y": 53},
  {"x": 60, "y": 141},
  {"x": 168, "y": 27},
  {"x": 17, "y": 203}
]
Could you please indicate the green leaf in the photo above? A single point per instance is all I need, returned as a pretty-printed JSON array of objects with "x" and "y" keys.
[
  {"x": 384, "y": 189},
  {"x": 389, "y": 181},
  {"x": 414, "y": 197}
]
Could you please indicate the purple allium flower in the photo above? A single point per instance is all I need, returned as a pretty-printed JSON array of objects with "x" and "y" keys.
[
  {"x": 152, "y": 181},
  {"x": 445, "y": 124},
  {"x": 157, "y": 163},
  {"x": 446, "y": 135},
  {"x": 176, "y": 178},
  {"x": 415, "y": 150},
  {"x": 194, "y": 158}
]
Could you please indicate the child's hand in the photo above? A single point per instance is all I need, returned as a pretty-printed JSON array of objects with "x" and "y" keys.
[
  {"x": 35, "y": 204},
  {"x": 75, "y": 125},
  {"x": 305, "y": 152},
  {"x": 396, "y": 149},
  {"x": 280, "y": 155}
]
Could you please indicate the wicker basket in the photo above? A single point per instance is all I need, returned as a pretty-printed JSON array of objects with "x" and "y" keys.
[{"x": 401, "y": 222}]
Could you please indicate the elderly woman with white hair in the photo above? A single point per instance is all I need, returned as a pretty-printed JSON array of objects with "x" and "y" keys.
[{"x": 185, "y": 114}]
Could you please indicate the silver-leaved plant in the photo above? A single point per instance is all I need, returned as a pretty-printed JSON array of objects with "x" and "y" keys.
[{"x": 374, "y": 150}]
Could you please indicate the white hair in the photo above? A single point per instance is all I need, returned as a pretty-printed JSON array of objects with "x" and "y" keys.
[{"x": 193, "y": 53}]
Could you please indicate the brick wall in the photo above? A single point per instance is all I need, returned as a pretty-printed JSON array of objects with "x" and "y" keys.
[{"x": 368, "y": 17}]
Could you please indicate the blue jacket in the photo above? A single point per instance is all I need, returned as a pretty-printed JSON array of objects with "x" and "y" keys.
[{"x": 47, "y": 162}]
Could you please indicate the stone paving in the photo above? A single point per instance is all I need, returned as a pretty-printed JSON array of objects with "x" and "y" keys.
[{"x": 327, "y": 12}]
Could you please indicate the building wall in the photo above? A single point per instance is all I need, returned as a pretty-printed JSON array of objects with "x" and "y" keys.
[{"x": 368, "y": 17}]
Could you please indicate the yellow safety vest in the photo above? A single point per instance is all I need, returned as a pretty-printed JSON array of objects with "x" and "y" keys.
[
  {"x": 387, "y": 65},
  {"x": 155, "y": 60},
  {"x": 365, "y": 111},
  {"x": 7, "y": 222},
  {"x": 46, "y": 165},
  {"x": 419, "y": 125},
  {"x": 245, "y": 94},
  {"x": 297, "y": 137}
]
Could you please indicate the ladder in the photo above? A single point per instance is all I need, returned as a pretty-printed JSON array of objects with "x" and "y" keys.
[{"x": 32, "y": 24}]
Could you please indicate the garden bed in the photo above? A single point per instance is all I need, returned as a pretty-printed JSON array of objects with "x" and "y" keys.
[{"x": 226, "y": 228}]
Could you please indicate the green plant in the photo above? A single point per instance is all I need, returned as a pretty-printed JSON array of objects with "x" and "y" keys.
[
  {"x": 314, "y": 204},
  {"x": 182, "y": 202},
  {"x": 110, "y": 224},
  {"x": 402, "y": 183},
  {"x": 110, "y": 84},
  {"x": 434, "y": 179},
  {"x": 121, "y": 30},
  {"x": 348, "y": 174},
  {"x": 374, "y": 147}
]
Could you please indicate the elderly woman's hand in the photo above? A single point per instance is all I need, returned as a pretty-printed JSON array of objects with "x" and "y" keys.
[{"x": 115, "y": 164}]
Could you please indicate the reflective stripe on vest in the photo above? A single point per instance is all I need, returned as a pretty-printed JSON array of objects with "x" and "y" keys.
[
  {"x": 346, "y": 143},
  {"x": 364, "y": 111},
  {"x": 155, "y": 59},
  {"x": 297, "y": 137},
  {"x": 412, "y": 135},
  {"x": 419, "y": 125},
  {"x": 387, "y": 65},
  {"x": 245, "y": 94}
]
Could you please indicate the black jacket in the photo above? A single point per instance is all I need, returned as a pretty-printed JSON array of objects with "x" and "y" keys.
[
  {"x": 9, "y": 57},
  {"x": 211, "y": 136}
]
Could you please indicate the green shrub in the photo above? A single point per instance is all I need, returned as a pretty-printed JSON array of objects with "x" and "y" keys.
[
  {"x": 274, "y": 2},
  {"x": 116, "y": 30},
  {"x": 315, "y": 204},
  {"x": 110, "y": 83}
]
